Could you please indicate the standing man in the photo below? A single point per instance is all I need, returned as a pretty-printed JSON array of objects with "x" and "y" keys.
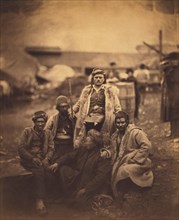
[
  {"x": 61, "y": 126},
  {"x": 131, "y": 78},
  {"x": 170, "y": 92},
  {"x": 130, "y": 150},
  {"x": 96, "y": 106},
  {"x": 142, "y": 75},
  {"x": 112, "y": 74},
  {"x": 36, "y": 150}
]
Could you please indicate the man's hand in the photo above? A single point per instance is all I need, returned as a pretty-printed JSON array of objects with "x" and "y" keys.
[
  {"x": 71, "y": 114},
  {"x": 54, "y": 167},
  {"x": 104, "y": 154},
  {"x": 45, "y": 162},
  {"x": 80, "y": 193},
  {"x": 36, "y": 161},
  {"x": 76, "y": 144}
]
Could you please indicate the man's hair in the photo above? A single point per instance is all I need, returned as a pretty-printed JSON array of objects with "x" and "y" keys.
[
  {"x": 129, "y": 70},
  {"x": 122, "y": 114},
  {"x": 112, "y": 63},
  {"x": 142, "y": 66}
]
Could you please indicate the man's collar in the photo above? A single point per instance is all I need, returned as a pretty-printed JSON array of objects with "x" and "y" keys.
[
  {"x": 97, "y": 89},
  {"x": 38, "y": 132}
]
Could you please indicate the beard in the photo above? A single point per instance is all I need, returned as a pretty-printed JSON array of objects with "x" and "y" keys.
[
  {"x": 64, "y": 113},
  {"x": 122, "y": 130}
]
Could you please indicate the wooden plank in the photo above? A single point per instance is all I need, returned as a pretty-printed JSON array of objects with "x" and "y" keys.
[{"x": 11, "y": 168}]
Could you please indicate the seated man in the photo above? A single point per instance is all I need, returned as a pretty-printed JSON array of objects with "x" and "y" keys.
[
  {"x": 130, "y": 150},
  {"x": 36, "y": 150},
  {"x": 83, "y": 172}
]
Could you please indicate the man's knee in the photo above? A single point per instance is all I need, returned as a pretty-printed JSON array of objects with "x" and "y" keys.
[
  {"x": 39, "y": 171},
  {"x": 63, "y": 169}
]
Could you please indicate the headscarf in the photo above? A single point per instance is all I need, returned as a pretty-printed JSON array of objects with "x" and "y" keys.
[{"x": 40, "y": 114}]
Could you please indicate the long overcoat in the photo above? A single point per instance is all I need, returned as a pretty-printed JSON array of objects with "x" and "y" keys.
[
  {"x": 26, "y": 144},
  {"x": 112, "y": 106},
  {"x": 134, "y": 146},
  {"x": 82, "y": 168}
]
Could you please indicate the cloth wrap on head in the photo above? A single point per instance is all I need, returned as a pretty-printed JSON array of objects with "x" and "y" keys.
[
  {"x": 39, "y": 114},
  {"x": 61, "y": 99}
]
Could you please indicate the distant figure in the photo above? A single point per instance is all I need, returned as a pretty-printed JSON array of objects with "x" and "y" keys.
[
  {"x": 112, "y": 75},
  {"x": 142, "y": 76},
  {"x": 36, "y": 150},
  {"x": 96, "y": 107},
  {"x": 170, "y": 92},
  {"x": 131, "y": 78},
  {"x": 61, "y": 126}
]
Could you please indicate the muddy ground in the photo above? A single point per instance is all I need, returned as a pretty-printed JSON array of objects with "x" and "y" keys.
[{"x": 159, "y": 202}]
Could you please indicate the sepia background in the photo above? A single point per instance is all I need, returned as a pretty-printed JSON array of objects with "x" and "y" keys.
[{"x": 43, "y": 43}]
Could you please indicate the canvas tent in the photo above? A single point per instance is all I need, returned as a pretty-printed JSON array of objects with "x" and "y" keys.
[
  {"x": 19, "y": 69},
  {"x": 56, "y": 74}
]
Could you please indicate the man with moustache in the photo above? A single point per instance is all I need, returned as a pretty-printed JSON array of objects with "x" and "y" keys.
[{"x": 96, "y": 107}]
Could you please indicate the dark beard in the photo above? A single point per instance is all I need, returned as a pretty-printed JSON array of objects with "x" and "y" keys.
[
  {"x": 122, "y": 131},
  {"x": 65, "y": 114}
]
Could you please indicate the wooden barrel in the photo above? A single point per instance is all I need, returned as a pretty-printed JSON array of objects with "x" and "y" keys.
[{"x": 127, "y": 98}]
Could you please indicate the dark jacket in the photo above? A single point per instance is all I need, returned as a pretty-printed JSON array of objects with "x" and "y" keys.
[
  {"x": 92, "y": 171},
  {"x": 52, "y": 124},
  {"x": 25, "y": 144}
]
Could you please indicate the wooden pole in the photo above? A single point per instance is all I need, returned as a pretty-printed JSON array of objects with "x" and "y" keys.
[
  {"x": 160, "y": 44},
  {"x": 71, "y": 104}
]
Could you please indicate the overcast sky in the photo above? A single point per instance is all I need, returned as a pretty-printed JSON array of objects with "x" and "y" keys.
[{"x": 98, "y": 26}]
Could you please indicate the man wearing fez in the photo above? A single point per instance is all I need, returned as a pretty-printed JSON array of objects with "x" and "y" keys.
[
  {"x": 96, "y": 107},
  {"x": 61, "y": 126},
  {"x": 36, "y": 150}
]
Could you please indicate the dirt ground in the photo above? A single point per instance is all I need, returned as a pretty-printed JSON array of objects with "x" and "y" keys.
[{"x": 159, "y": 202}]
